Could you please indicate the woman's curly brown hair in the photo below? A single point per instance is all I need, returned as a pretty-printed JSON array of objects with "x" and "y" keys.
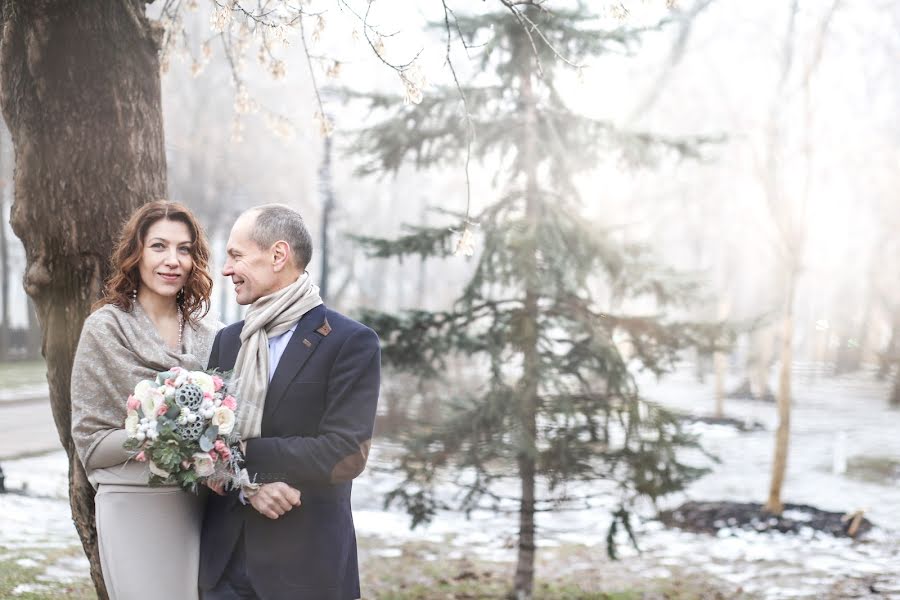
[{"x": 124, "y": 263}]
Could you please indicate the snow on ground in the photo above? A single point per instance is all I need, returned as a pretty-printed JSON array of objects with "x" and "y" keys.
[
  {"x": 24, "y": 392},
  {"x": 768, "y": 565}
]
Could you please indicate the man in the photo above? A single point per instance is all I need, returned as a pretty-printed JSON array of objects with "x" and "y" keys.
[{"x": 307, "y": 387}]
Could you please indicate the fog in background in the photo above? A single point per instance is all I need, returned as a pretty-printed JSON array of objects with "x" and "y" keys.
[{"x": 834, "y": 151}]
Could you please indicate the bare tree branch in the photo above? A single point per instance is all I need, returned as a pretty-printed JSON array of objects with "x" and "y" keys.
[{"x": 675, "y": 56}]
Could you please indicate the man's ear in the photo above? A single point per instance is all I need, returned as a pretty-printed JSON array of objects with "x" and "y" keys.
[{"x": 281, "y": 255}]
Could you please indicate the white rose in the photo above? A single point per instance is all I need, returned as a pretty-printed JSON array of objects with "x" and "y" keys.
[
  {"x": 141, "y": 389},
  {"x": 223, "y": 418},
  {"x": 203, "y": 381},
  {"x": 150, "y": 401},
  {"x": 142, "y": 392},
  {"x": 203, "y": 464},
  {"x": 131, "y": 423},
  {"x": 181, "y": 378}
]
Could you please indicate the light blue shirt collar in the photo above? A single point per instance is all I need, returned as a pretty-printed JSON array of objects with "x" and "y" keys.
[{"x": 277, "y": 344}]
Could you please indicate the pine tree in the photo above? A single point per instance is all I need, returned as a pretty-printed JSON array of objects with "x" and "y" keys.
[{"x": 555, "y": 398}]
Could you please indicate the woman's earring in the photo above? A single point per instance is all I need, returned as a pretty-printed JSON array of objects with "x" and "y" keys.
[{"x": 134, "y": 294}]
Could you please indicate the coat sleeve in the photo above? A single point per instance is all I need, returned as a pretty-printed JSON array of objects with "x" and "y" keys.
[
  {"x": 214, "y": 353},
  {"x": 340, "y": 450}
]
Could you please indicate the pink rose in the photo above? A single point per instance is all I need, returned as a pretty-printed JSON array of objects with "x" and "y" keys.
[
  {"x": 176, "y": 370},
  {"x": 170, "y": 382},
  {"x": 229, "y": 402},
  {"x": 217, "y": 382},
  {"x": 223, "y": 450},
  {"x": 133, "y": 403},
  {"x": 163, "y": 409},
  {"x": 141, "y": 457}
]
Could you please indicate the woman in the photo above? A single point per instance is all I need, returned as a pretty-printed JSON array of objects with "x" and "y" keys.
[{"x": 150, "y": 319}]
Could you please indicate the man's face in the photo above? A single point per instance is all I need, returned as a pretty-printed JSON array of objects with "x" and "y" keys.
[{"x": 249, "y": 266}]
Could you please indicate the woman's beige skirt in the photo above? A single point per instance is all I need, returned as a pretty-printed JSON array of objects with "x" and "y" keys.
[{"x": 149, "y": 541}]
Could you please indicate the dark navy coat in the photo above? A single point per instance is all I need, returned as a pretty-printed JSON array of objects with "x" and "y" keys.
[{"x": 316, "y": 431}]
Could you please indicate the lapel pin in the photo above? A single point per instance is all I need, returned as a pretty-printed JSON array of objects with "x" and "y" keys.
[
  {"x": 307, "y": 343},
  {"x": 325, "y": 329}
]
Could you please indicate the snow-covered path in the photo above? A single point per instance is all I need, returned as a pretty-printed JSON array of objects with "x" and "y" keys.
[{"x": 808, "y": 565}]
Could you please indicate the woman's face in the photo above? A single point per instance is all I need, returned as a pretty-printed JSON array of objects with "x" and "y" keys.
[{"x": 166, "y": 259}]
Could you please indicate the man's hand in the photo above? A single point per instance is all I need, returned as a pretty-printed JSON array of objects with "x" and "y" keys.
[
  {"x": 274, "y": 499},
  {"x": 218, "y": 487}
]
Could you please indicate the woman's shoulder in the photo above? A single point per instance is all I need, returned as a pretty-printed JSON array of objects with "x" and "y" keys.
[
  {"x": 105, "y": 317},
  {"x": 205, "y": 329},
  {"x": 209, "y": 324},
  {"x": 105, "y": 326}
]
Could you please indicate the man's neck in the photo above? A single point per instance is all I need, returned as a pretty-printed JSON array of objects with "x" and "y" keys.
[{"x": 287, "y": 280}]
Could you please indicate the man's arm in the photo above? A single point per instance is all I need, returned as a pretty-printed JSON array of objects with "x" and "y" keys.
[
  {"x": 339, "y": 452},
  {"x": 214, "y": 353}
]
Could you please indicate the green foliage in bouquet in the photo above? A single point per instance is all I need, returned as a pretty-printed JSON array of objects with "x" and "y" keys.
[{"x": 178, "y": 438}]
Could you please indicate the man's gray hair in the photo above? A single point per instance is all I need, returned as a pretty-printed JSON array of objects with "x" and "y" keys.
[{"x": 277, "y": 222}]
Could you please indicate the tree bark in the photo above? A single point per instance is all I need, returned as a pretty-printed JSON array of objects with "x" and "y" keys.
[
  {"x": 326, "y": 190},
  {"x": 527, "y": 464},
  {"x": 783, "y": 432},
  {"x": 81, "y": 96}
]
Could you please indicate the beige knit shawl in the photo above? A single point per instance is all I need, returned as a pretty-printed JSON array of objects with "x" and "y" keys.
[
  {"x": 118, "y": 349},
  {"x": 269, "y": 316}
]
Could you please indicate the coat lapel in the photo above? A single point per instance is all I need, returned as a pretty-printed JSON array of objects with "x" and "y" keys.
[{"x": 303, "y": 343}]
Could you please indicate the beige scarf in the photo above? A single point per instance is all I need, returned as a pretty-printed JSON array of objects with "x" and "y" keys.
[{"x": 269, "y": 316}]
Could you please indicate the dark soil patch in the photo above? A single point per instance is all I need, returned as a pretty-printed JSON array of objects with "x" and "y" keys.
[{"x": 710, "y": 517}]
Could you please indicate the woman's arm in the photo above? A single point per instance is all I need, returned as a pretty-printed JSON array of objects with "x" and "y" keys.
[{"x": 109, "y": 451}]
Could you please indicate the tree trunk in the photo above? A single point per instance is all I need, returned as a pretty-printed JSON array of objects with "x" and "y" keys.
[
  {"x": 524, "y": 577},
  {"x": 891, "y": 353},
  {"x": 326, "y": 189},
  {"x": 761, "y": 353},
  {"x": 783, "y": 433},
  {"x": 720, "y": 363},
  {"x": 81, "y": 96},
  {"x": 895, "y": 392},
  {"x": 422, "y": 275},
  {"x": 720, "y": 359}
]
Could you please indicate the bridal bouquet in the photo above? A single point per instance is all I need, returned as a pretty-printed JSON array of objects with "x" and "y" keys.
[{"x": 182, "y": 425}]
